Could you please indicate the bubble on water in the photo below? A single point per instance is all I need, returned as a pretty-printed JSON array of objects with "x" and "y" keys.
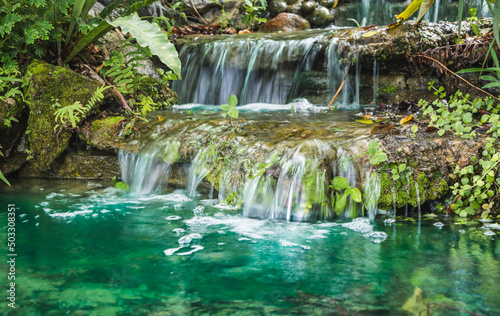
[
  {"x": 173, "y": 218},
  {"x": 438, "y": 224},
  {"x": 489, "y": 233},
  {"x": 221, "y": 244},
  {"x": 198, "y": 210},
  {"x": 171, "y": 251},
  {"x": 495, "y": 226},
  {"x": 95, "y": 215},
  {"x": 486, "y": 220},
  {"x": 389, "y": 221},
  {"x": 377, "y": 237},
  {"x": 243, "y": 239},
  {"x": 178, "y": 231},
  {"x": 53, "y": 195},
  {"x": 195, "y": 249},
  {"x": 185, "y": 241},
  {"x": 221, "y": 232},
  {"x": 461, "y": 231},
  {"x": 195, "y": 236}
]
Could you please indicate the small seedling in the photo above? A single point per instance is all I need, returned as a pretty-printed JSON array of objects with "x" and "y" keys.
[{"x": 230, "y": 108}]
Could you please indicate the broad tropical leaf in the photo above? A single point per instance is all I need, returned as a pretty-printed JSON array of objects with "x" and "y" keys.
[
  {"x": 104, "y": 27},
  {"x": 150, "y": 35}
]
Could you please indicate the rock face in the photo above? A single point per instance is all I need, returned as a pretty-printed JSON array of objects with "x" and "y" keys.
[
  {"x": 286, "y": 22},
  {"x": 49, "y": 84}
]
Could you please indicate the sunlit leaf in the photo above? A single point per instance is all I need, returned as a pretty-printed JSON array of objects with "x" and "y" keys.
[
  {"x": 364, "y": 121},
  {"x": 340, "y": 183},
  {"x": 406, "y": 119},
  {"x": 370, "y": 33},
  {"x": 356, "y": 195}
]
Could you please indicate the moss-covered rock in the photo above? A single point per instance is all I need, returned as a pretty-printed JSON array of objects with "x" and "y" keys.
[
  {"x": 48, "y": 84},
  {"x": 87, "y": 166},
  {"x": 103, "y": 133}
]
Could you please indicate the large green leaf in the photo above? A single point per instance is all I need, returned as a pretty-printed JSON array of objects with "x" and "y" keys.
[
  {"x": 150, "y": 35},
  {"x": 104, "y": 26},
  {"x": 89, "y": 38}
]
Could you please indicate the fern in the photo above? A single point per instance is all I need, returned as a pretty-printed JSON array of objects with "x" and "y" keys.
[{"x": 74, "y": 113}]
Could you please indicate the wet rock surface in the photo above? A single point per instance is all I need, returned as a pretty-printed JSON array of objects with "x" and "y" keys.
[
  {"x": 249, "y": 140},
  {"x": 286, "y": 22}
]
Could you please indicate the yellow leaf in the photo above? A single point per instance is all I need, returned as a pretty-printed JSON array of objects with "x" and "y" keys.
[
  {"x": 410, "y": 10},
  {"x": 426, "y": 5},
  {"x": 406, "y": 119},
  {"x": 160, "y": 118},
  {"x": 369, "y": 33},
  {"x": 335, "y": 4},
  {"x": 364, "y": 121}
]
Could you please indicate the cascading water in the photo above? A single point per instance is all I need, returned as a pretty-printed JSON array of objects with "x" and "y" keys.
[
  {"x": 262, "y": 70},
  {"x": 149, "y": 172}
]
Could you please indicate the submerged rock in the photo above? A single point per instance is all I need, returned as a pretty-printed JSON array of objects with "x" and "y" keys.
[{"x": 286, "y": 22}]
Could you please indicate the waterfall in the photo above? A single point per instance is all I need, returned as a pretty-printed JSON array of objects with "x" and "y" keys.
[
  {"x": 298, "y": 193},
  {"x": 256, "y": 70},
  {"x": 148, "y": 172},
  {"x": 349, "y": 97},
  {"x": 371, "y": 189}
]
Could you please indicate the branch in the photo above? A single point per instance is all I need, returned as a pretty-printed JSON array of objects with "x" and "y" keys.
[
  {"x": 340, "y": 88},
  {"x": 467, "y": 82}
]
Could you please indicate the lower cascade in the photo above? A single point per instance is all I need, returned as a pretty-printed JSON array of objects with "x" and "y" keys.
[{"x": 281, "y": 177}]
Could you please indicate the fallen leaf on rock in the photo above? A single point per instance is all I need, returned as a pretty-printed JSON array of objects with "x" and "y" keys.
[
  {"x": 365, "y": 121},
  {"x": 370, "y": 33},
  {"x": 406, "y": 119},
  {"x": 245, "y": 31}
]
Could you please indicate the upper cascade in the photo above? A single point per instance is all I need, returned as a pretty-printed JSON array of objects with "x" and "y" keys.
[{"x": 255, "y": 68}]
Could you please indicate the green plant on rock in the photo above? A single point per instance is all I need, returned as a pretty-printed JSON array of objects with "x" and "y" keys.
[
  {"x": 456, "y": 114},
  {"x": 377, "y": 154},
  {"x": 476, "y": 190},
  {"x": 70, "y": 115},
  {"x": 253, "y": 9},
  {"x": 341, "y": 191},
  {"x": 225, "y": 20},
  {"x": 230, "y": 108}
]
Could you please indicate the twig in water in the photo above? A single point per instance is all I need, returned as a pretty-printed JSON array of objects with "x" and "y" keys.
[{"x": 340, "y": 88}]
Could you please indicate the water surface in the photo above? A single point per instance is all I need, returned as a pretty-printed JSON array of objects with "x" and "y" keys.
[{"x": 85, "y": 248}]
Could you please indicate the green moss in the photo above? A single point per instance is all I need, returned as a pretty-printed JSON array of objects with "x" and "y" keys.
[
  {"x": 430, "y": 188},
  {"x": 48, "y": 83}
]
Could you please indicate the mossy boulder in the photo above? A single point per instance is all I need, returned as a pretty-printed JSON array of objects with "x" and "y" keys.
[
  {"x": 48, "y": 84},
  {"x": 103, "y": 133}
]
